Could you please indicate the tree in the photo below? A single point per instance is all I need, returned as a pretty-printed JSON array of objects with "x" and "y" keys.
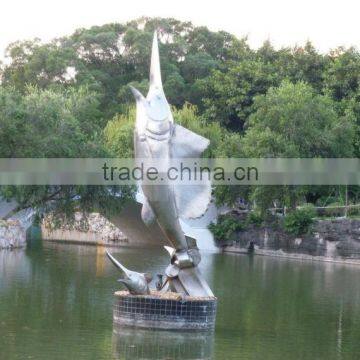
[
  {"x": 228, "y": 94},
  {"x": 342, "y": 83},
  {"x": 118, "y": 134},
  {"x": 342, "y": 78},
  {"x": 107, "y": 58},
  {"x": 293, "y": 121},
  {"x": 43, "y": 65},
  {"x": 47, "y": 124},
  {"x": 301, "y": 63}
]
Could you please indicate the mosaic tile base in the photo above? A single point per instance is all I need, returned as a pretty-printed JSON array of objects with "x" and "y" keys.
[{"x": 150, "y": 311}]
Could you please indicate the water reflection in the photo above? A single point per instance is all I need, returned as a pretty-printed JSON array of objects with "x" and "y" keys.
[
  {"x": 100, "y": 261},
  {"x": 56, "y": 303},
  {"x": 151, "y": 344},
  {"x": 13, "y": 262}
]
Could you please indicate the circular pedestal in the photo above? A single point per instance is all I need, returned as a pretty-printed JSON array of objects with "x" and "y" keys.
[{"x": 164, "y": 311}]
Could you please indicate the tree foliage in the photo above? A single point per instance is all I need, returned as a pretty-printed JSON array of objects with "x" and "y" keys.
[
  {"x": 48, "y": 124},
  {"x": 70, "y": 98},
  {"x": 293, "y": 121}
]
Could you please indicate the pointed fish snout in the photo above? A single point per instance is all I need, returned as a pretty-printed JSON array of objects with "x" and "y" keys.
[{"x": 137, "y": 94}]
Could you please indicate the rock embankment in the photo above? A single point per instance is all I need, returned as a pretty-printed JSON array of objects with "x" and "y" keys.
[
  {"x": 337, "y": 239},
  {"x": 90, "y": 228},
  {"x": 12, "y": 234}
]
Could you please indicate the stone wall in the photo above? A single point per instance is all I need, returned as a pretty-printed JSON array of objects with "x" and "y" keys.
[
  {"x": 329, "y": 239},
  {"x": 12, "y": 234},
  {"x": 92, "y": 228}
]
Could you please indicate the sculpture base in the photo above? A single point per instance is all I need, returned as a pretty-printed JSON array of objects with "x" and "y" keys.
[{"x": 169, "y": 311}]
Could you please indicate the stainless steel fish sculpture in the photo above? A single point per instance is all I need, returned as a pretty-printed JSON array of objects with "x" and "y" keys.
[
  {"x": 136, "y": 283},
  {"x": 159, "y": 139}
]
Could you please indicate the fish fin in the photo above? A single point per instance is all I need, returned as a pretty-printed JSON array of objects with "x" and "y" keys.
[
  {"x": 147, "y": 214},
  {"x": 187, "y": 144},
  {"x": 139, "y": 97},
  {"x": 170, "y": 250},
  {"x": 148, "y": 277},
  {"x": 191, "y": 242},
  {"x": 192, "y": 201}
]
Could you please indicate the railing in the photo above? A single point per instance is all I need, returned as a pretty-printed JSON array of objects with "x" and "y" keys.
[{"x": 331, "y": 210}]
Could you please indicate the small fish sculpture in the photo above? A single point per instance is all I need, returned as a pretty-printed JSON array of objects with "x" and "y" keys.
[{"x": 136, "y": 283}]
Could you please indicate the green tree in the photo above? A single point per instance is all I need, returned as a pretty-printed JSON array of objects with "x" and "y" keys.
[
  {"x": 294, "y": 121},
  {"x": 228, "y": 95},
  {"x": 342, "y": 83},
  {"x": 47, "y": 124},
  {"x": 118, "y": 134},
  {"x": 107, "y": 58},
  {"x": 342, "y": 78},
  {"x": 301, "y": 63}
]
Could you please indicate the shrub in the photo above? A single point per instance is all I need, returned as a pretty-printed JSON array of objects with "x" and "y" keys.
[
  {"x": 255, "y": 218},
  {"x": 299, "y": 221},
  {"x": 226, "y": 226},
  {"x": 335, "y": 209},
  {"x": 354, "y": 211}
]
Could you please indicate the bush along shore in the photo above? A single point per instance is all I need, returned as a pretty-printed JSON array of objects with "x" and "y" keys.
[{"x": 298, "y": 235}]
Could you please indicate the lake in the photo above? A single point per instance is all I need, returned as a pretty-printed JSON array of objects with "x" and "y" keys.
[{"x": 56, "y": 303}]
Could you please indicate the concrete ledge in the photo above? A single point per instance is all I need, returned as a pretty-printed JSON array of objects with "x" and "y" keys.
[
  {"x": 164, "y": 311},
  {"x": 76, "y": 241},
  {"x": 287, "y": 255}
]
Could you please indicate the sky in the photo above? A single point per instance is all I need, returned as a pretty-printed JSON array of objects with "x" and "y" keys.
[{"x": 327, "y": 24}]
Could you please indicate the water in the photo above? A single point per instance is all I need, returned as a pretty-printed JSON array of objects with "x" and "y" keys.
[{"x": 56, "y": 303}]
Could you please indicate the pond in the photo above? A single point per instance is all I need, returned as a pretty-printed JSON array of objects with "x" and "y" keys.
[{"x": 56, "y": 303}]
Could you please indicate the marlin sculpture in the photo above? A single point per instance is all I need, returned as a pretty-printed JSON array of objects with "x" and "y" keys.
[{"x": 158, "y": 139}]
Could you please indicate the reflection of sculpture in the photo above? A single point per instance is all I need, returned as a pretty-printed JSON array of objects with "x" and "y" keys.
[
  {"x": 161, "y": 344},
  {"x": 158, "y": 139}
]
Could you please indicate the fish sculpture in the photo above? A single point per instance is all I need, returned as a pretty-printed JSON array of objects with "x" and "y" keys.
[
  {"x": 159, "y": 139},
  {"x": 136, "y": 283}
]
